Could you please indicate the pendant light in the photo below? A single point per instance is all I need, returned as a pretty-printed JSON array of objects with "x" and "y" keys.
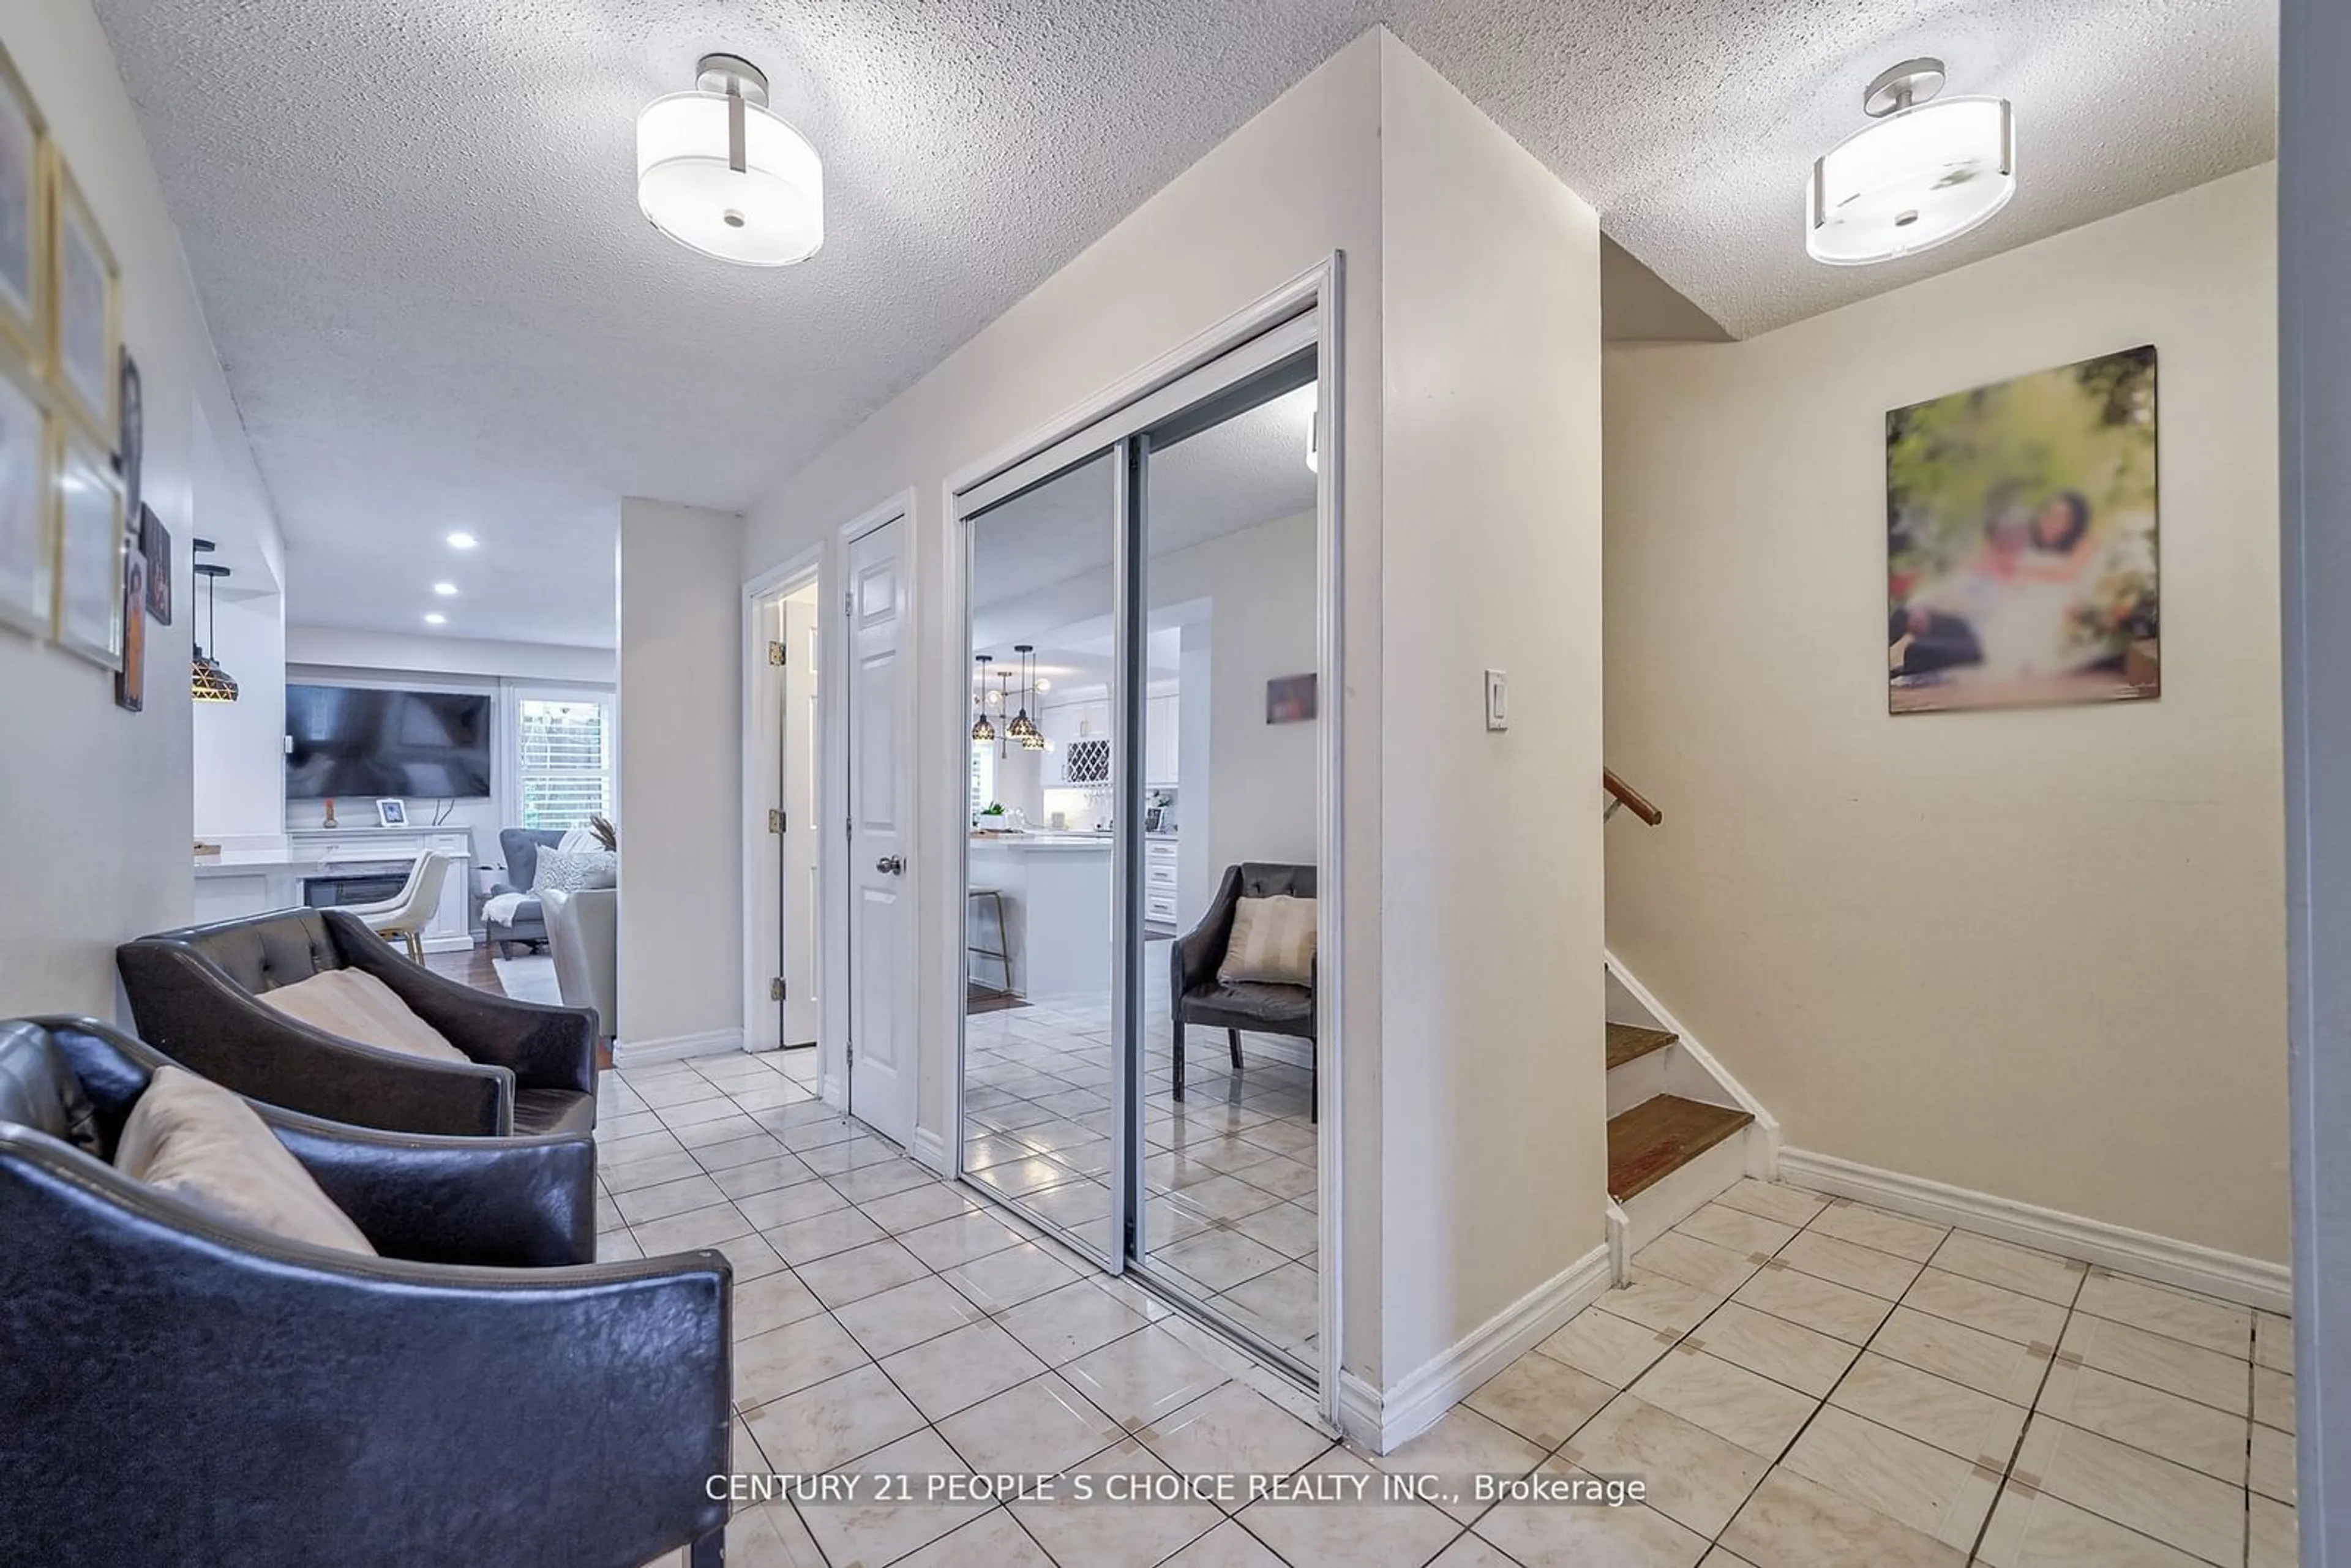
[
  {"x": 719, "y": 174},
  {"x": 208, "y": 683},
  {"x": 1023, "y": 728},
  {"x": 1925, "y": 173},
  {"x": 982, "y": 731},
  {"x": 1003, "y": 701}
]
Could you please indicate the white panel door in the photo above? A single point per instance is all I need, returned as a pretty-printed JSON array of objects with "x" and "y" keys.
[
  {"x": 881, "y": 808},
  {"x": 797, "y": 791}
]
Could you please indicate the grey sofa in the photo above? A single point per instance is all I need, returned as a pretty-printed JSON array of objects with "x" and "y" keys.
[
  {"x": 520, "y": 847},
  {"x": 181, "y": 1389},
  {"x": 197, "y": 996}
]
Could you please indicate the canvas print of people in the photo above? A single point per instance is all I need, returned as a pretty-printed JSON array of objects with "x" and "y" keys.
[{"x": 2020, "y": 541}]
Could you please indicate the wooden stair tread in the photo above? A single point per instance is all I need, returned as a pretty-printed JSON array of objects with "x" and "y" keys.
[
  {"x": 1630, "y": 1043},
  {"x": 1658, "y": 1136}
]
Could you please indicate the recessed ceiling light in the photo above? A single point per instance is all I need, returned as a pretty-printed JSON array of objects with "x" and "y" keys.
[
  {"x": 435, "y": 618},
  {"x": 445, "y": 590},
  {"x": 463, "y": 541},
  {"x": 719, "y": 174},
  {"x": 1925, "y": 173}
]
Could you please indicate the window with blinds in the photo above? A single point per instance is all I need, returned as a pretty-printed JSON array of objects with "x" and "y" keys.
[{"x": 565, "y": 769}]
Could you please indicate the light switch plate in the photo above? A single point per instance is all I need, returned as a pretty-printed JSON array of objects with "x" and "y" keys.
[{"x": 1497, "y": 695}]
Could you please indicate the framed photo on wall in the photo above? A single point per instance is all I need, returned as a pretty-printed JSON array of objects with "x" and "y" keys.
[
  {"x": 27, "y": 520},
  {"x": 91, "y": 548},
  {"x": 155, "y": 544},
  {"x": 24, "y": 218},
  {"x": 88, "y": 324},
  {"x": 130, "y": 681},
  {"x": 2020, "y": 560}
]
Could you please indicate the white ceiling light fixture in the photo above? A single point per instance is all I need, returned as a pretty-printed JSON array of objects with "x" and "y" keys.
[
  {"x": 1927, "y": 172},
  {"x": 463, "y": 541},
  {"x": 435, "y": 618},
  {"x": 445, "y": 590},
  {"x": 719, "y": 174}
]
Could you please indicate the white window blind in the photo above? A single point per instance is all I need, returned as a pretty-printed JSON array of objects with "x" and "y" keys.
[{"x": 566, "y": 762}]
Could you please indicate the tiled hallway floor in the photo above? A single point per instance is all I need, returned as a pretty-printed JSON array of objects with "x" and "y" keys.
[
  {"x": 1229, "y": 1215},
  {"x": 1801, "y": 1383}
]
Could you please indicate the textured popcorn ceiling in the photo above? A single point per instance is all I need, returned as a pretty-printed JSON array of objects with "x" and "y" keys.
[{"x": 414, "y": 223}]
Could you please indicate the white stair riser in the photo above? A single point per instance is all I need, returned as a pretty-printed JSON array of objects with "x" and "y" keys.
[
  {"x": 1669, "y": 1071},
  {"x": 1656, "y": 1210}
]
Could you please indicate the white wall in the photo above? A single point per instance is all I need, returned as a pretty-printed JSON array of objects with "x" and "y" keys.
[
  {"x": 1254, "y": 791},
  {"x": 1296, "y": 183},
  {"x": 240, "y": 756},
  {"x": 2037, "y": 954},
  {"x": 97, "y": 803},
  {"x": 1484, "y": 413},
  {"x": 1493, "y": 1085},
  {"x": 451, "y": 655},
  {"x": 681, "y": 780}
]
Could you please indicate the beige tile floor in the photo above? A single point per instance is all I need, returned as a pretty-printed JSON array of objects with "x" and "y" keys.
[
  {"x": 1229, "y": 1215},
  {"x": 1803, "y": 1382}
]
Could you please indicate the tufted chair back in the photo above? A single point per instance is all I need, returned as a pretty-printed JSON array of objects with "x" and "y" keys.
[{"x": 263, "y": 955}]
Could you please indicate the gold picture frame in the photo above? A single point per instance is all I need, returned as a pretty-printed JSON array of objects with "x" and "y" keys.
[
  {"x": 28, "y": 500},
  {"x": 86, "y": 325},
  {"x": 91, "y": 545},
  {"x": 26, "y": 195}
]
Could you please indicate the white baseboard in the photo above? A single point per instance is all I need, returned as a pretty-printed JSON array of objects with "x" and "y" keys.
[
  {"x": 676, "y": 1047},
  {"x": 930, "y": 1149},
  {"x": 1387, "y": 1421},
  {"x": 449, "y": 944},
  {"x": 833, "y": 1089},
  {"x": 2246, "y": 1280}
]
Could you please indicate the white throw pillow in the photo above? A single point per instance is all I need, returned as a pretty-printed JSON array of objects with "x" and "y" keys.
[
  {"x": 193, "y": 1139},
  {"x": 354, "y": 1004},
  {"x": 1272, "y": 943},
  {"x": 575, "y": 870}
]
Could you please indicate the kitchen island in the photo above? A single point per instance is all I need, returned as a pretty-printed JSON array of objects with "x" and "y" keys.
[{"x": 1060, "y": 922}]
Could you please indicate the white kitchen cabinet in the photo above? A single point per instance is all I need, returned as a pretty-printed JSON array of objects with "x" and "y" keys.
[{"x": 1160, "y": 722}]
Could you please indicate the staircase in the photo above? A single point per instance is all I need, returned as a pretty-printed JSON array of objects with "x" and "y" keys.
[
  {"x": 1680, "y": 1131},
  {"x": 1678, "y": 1135}
]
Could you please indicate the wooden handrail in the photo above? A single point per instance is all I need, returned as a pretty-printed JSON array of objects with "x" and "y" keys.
[{"x": 1627, "y": 796}]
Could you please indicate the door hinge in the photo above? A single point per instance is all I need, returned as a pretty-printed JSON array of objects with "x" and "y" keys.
[
  {"x": 848, "y": 603},
  {"x": 774, "y": 821},
  {"x": 775, "y": 653},
  {"x": 775, "y": 991}
]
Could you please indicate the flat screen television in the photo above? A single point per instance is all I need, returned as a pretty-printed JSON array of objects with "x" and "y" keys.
[{"x": 365, "y": 742}]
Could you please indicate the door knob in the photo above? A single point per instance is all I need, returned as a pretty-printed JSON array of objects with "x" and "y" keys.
[{"x": 890, "y": 865}]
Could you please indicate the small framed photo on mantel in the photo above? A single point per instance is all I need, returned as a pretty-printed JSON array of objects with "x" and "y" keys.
[{"x": 391, "y": 813}]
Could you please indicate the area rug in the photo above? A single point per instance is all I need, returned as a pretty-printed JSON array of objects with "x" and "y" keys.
[{"x": 530, "y": 978}]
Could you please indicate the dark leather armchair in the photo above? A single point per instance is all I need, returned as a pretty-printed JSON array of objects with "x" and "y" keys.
[
  {"x": 195, "y": 995},
  {"x": 1196, "y": 995},
  {"x": 181, "y": 1389},
  {"x": 520, "y": 847}
]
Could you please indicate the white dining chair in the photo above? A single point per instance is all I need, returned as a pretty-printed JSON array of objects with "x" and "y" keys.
[{"x": 402, "y": 918}]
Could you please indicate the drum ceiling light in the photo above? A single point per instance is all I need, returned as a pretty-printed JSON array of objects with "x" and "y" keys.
[
  {"x": 1927, "y": 172},
  {"x": 720, "y": 174}
]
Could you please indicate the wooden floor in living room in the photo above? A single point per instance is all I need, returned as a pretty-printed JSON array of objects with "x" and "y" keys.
[{"x": 473, "y": 968}]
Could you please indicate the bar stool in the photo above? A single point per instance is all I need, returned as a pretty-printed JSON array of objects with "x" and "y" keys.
[{"x": 984, "y": 906}]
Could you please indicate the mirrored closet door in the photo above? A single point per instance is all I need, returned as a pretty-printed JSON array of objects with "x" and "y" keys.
[{"x": 1142, "y": 921}]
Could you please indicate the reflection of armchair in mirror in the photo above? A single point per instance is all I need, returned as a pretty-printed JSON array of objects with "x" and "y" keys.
[{"x": 1198, "y": 992}]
